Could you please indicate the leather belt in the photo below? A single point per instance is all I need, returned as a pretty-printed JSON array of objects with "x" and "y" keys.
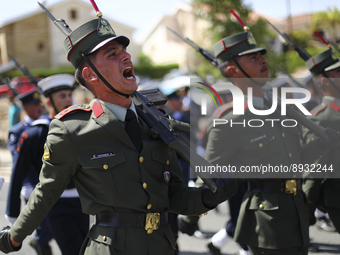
[
  {"x": 149, "y": 221},
  {"x": 285, "y": 186}
]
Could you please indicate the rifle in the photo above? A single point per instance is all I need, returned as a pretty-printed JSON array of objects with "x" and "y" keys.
[
  {"x": 302, "y": 52},
  {"x": 6, "y": 81},
  {"x": 159, "y": 124},
  {"x": 205, "y": 53}
]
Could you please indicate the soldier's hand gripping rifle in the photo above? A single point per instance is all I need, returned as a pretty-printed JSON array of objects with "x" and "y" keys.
[{"x": 157, "y": 121}]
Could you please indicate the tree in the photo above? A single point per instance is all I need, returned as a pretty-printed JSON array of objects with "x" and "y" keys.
[{"x": 328, "y": 20}]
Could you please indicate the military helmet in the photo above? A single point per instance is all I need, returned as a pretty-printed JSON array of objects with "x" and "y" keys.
[
  {"x": 88, "y": 38},
  {"x": 325, "y": 61},
  {"x": 236, "y": 45}
]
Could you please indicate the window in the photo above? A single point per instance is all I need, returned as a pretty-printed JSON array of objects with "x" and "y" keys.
[{"x": 73, "y": 14}]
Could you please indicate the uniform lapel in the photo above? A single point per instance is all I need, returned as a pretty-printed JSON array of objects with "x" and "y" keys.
[{"x": 105, "y": 118}]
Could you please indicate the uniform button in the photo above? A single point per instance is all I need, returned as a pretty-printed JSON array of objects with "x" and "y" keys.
[
  {"x": 149, "y": 206},
  {"x": 261, "y": 206},
  {"x": 200, "y": 216},
  {"x": 167, "y": 162},
  {"x": 283, "y": 135},
  {"x": 260, "y": 145},
  {"x": 105, "y": 166},
  {"x": 145, "y": 185},
  {"x": 149, "y": 231},
  {"x": 104, "y": 238},
  {"x": 290, "y": 155},
  {"x": 206, "y": 213},
  {"x": 141, "y": 159},
  {"x": 88, "y": 107}
]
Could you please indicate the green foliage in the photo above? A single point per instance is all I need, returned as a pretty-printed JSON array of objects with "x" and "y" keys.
[
  {"x": 144, "y": 60},
  {"x": 217, "y": 12},
  {"x": 42, "y": 72},
  {"x": 327, "y": 20},
  {"x": 302, "y": 38}
]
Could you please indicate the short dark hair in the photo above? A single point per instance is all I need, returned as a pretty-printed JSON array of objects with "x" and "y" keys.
[
  {"x": 78, "y": 75},
  {"x": 223, "y": 66}
]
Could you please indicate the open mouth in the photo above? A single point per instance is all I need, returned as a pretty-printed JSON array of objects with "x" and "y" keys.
[{"x": 128, "y": 73}]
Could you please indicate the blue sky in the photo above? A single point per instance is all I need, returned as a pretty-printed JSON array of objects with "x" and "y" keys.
[{"x": 142, "y": 13}]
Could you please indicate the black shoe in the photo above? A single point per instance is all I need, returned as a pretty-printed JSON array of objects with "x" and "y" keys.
[
  {"x": 186, "y": 227},
  {"x": 313, "y": 247},
  {"x": 33, "y": 244},
  {"x": 213, "y": 249}
]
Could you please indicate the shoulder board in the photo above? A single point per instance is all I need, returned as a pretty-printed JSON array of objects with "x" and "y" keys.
[
  {"x": 335, "y": 107},
  {"x": 41, "y": 122},
  {"x": 224, "y": 108},
  {"x": 22, "y": 140},
  {"x": 73, "y": 108},
  {"x": 317, "y": 109}
]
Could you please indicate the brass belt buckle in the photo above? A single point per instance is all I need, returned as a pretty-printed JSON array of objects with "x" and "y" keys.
[
  {"x": 152, "y": 222},
  {"x": 291, "y": 187}
]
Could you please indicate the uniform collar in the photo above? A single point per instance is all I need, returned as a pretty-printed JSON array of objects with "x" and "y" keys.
[
  {"x": 332, "y": 99},
  {"x": 117, "y": 110}
]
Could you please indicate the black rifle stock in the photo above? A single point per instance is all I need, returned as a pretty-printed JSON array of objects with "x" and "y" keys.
[
  {"x": 205, "y": 53},
  {"x": 159, "y": 124}
]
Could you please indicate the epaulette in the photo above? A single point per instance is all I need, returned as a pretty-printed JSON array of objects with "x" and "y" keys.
[
  {"x": 73, "y": 108},
  {"x": 22, "y": 140},
  {"x": 224, "y": 108},
  {"x": 335, "y": 106},
  {"x": 315, "y": 111}
]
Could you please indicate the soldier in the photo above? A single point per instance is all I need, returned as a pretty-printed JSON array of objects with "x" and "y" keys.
[
  {"x": 320, "y": 188},
  {"x": 66, "y": 213},
  {"x": 32, "y": 106},
  {"x": 124, "y": 176},
  {"x": 272, "y": 215}
]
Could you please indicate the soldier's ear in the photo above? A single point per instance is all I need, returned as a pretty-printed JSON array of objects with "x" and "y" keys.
[
  {"x": 325, "y": 82},
  {"x": 231, "y": 71},
  {"x": 48, "y": 101},
  {"x": 89, "y": 74}
]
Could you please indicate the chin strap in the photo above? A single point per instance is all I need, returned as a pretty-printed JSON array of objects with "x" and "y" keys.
[
  {"x": 102, "y": 78},
  {"x": 244, "y": 72}
]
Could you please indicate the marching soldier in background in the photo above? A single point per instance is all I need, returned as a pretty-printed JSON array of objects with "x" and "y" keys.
[
  {"x": 66, "y": 213},
  {"x": 322, "y": 186},
  {"x": 272, "y": 218},
  {"x": 33, "y": 108},
  {"x": 124, "y": 176}
]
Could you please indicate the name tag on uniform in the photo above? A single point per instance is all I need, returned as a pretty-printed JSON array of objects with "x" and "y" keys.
[{"x": 104, "y": 155}]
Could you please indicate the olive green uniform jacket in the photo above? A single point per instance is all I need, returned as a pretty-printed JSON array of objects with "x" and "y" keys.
[
  {"x": 89, "y": 144},
  {"x": 271, "y": 220},
  {"x": 322, "y": 184}
]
